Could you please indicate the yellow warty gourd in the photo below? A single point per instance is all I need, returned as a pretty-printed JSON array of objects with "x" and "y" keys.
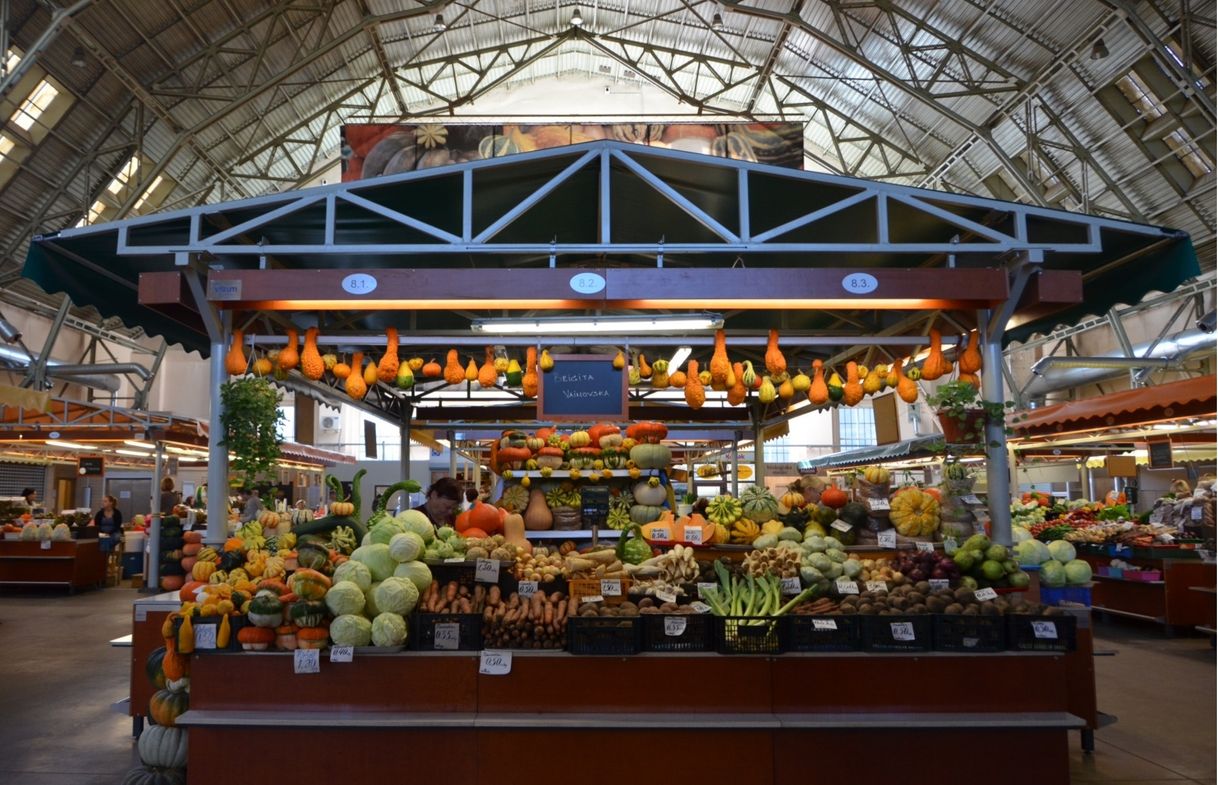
[
  {"x": 874, "y": 381},
  {"x": 915, "y": 513},
  {"x": 801, "y": 382},
  {"x": 471, "y": 371},
  {"x": 767, "y": 393}
]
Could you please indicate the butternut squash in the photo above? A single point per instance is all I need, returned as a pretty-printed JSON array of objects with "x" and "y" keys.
[
  {"x": 289, "y": 356},
  {"x": 852, "y": 391},
  {"x": 737, "y": 392},
  {"x": 488, "y": 374},
  {"x": 513, "y": 532},
  {"x": 720, "y": 366},
  {"x": 235, "y": 362},
  {"x": 818, "y": 391},
  {"x": 357, "y": 388},
  {"x": 775, "y": 363},
  {"x": 311, "y": 364},
  {"x": 906, "y": 387},
  {"x": 695, "y": 393},
  {"x": 970, "y": 358},
  {"x": 531, "y": 381},
  {"x": 387, "y": 368},
  {"x": 935, "y": 364},
  {"x": 537, "y": 515}
]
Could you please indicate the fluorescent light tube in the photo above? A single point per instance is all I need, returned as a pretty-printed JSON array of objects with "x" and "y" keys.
[
  {"x": 573, "y": 325},
  {"x": 135, "y": 453},
  {"x": 67, "y": 445},
  {"x": 679, "y": 356},
  {"x": 137, "y": 443}
]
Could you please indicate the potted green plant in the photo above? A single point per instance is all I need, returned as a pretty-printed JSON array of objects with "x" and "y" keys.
[
  {"x": 250, "y": 417},
  {"x": 963, "y": 413},
  {"x": 686, "y": 505}
]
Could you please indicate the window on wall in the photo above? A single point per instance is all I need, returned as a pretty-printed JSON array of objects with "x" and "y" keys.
[{"x": 856, "y": 427}]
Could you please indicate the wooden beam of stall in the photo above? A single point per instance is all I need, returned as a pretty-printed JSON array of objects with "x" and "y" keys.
[{"x": 440, "y": 416}]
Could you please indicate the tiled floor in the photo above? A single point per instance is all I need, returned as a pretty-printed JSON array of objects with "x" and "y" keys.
[{"x": 60, "y": 676}]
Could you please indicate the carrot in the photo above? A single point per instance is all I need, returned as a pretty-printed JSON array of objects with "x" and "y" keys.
[
  {"x": 549, "y": 614},
  {"x": 494, "y": 596},
  {"x": 450, "y": 593}
]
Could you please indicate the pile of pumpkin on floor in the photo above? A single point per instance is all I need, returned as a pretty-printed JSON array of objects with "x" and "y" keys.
[{"x": 162, "y": 745}]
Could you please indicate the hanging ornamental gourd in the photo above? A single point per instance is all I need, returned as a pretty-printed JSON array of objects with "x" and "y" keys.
[
  {"x": 487, "y": 374},
  {"x": 907, "y": 389},
  {"x": 387, "y": 368},
  {"x": 720, "y": 366},
  {"x": 357, "y": 388},
  {"x": 874, "y": 382},
  {"x": 775, "y": 362},
  {"x": 970, "y": 358},
  {"x": 936, "y": 364},
  {"x": 736, "y": 393},
  {"x": 695, "y": 393},
  {"x": 530, "y": 383},
  {"x": 852, "y": 392},
  {"x": 311, "y": 364},
  {"x": 453, "y": 372},
  {"x": 289, "y": 356},
  {"x": 644, "y": 368},
  {"x": 235, "y": 362},
  {"x": 818, "y": 391}
]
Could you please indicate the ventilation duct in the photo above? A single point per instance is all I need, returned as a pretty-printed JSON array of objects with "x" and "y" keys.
[{"x": 99, "y": 377}]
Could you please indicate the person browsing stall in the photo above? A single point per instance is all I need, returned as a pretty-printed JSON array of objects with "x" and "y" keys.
[
  {"x": 443, "y": 498},
  {"x": 109, "y": 521}
]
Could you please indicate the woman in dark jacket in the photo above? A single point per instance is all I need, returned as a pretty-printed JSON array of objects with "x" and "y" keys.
[{"x": 109, "y": 520}]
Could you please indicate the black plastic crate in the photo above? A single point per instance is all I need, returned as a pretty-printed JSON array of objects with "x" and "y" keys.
[
  {"x": 823, "y": 633},
  {"x": 659, "y": 634},
  {"x": 748, "y": 635},
  {"x": 970, "y": 633},
  {"x": 423, "y": 632},
  {"x": 1022, "y": 632},
  {"x": 613, "y": 635},
  {"x": 880, "y": 633}
]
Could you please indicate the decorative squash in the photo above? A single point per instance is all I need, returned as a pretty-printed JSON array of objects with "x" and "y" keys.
[
  {"x": 357, "y": 388},
  {"x": 387, "y": 368},
  {"x": 311, "y": 364},
  {"x": 834, "y": 497},
  {"x": 530, "y": 383},
  {"x": 906, "y": 388},
  {"x": 644, "y": 367},
  {"x": 648, "y": 432},
  {"x": 546, "y": 362},
  {"x": 786, "y": 390},
  {"x": 202, "y": 570},
  {"x": 695, "y": 393},
  {"x": 432, "y": 370},
  {"x": 736, "y": 392},
  {"x": 852, "y": 391},
  {"x": 370, "y": 374},
  {"x": 340, "y": 370},
  {"x": 619, "y": 360},
  {"x": 676, "y": 379},
  {"x": 165, "y": 707},
  {"x": 263, "y": 367},
  {"x": 515, "y": 374},
  {"x": 488, "y": 375},
  {"x": 187, "y": 592},
  {"x": 935, "y": 364},
  {"x": 650, "y": 492},
  {"x": 289, "y": 356},
  {"x": 751, "y": 382},
  {"x": 720, "y": 366},
  {"x": 416, "y": 364},
  {"x": 453, "y": 372},
  {"x": 163, "y": 747},
  {"x": 256, "y": 638},
  {"x": 970, "y": 358},
  {"x": 537, "y": 515},
  {"x": 471, "y": 371},
  {"x": 308, "y": 613},
  {"x": 801, "y": 382},
  {"x": 266, "y": 610},
  {"x": 153, "y": 668},
  {"x": 775, "y": 362},
  {"x": 659, "y": 374},
  {"x": 767, "y": 393},
  {"x": 874, "y": 381},
  {"x": 171, "y": 582},
  {"x": 645, "y": 514},
  {"x": 792, "y": 500},
  {"x": 308, "y": 584},
  {"x": 969, "y": 378},
  {"x": 234, "y": 361},
  {"x": 513, "y": 532},
  {"x": 818, "y": 391}
]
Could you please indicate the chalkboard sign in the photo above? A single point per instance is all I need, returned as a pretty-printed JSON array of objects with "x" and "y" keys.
[
  {"x": 583, "y": 387},
  {"x": 1160, "y": 454},
  {"x": 90, "y": 467}
]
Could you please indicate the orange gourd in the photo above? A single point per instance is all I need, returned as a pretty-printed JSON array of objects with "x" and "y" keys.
[
  {"x": 970, "y": 378},
  {"x": 720, "y": 366},
  {"x": 530, "y": 382},
  {"x": 487, "y": 374},
  {"x": 852, "y": 391},
  {"x": 695, "y": 393},
  {"x": 936, "y": 364},
  {"x": 775, "y": 363},
  {"x": 818, "y": 392},
  {"x": 676, "y": 379},
  {"x": 471, "y": 371},
  {"x": 453, "y": 372},
  {"x": 970, "y": 358},
  {"x": 235, "y": 362},
  {"x": 289, "y": 356},
  {"x": 370, "y": 374},
  {"x": 737, "y": 392},
  {"x": 906, "y": 387},
  {"x": 311, "y": 364},
  {"x": 432, "y": 370},
  {"x": 387, "y": 368},
  {"x": 644, "y": 367},
  {"x": 357, "y": 388},
  {"x": 341, "y": 370}
]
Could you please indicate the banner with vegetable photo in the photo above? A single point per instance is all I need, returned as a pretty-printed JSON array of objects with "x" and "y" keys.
[{"x": 372, "y": 150}]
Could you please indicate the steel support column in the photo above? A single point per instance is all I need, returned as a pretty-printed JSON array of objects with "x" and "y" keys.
[
  {"x": 404, "y": 438},
  {"x": 758, "y": 445},
  {"x": 217, "y": 453},
  {"x": 153, "y": 580},
  {"x": 997, "y": 469}
]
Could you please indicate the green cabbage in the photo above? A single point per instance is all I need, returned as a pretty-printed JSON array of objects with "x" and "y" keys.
[
  {"x": 1053, "y": 573},
  {"x": 377, "y": 559},
  {"x": 396, "y": 595},
  {"x": 1078, "y": 572},
  {"x": 406, "y": 546},
  {"x": 1019, "y": 534},
  {"x": 370, "y": 609},
  {"x": 765, "y": 541},
  {"x": 1062, "y": 551},
  {"x": 384, "y": 531},
  {"x": 1031, "y": 552},
  {"x": 354, "y": 571},
  {"x": 851, "y": 568},
  {"x": 815, "y": 543},
  {"x": 416, "y": 572},
  {"x": 417, "y": 522},
  {"x": 388, "y": 629},
  {"x": 446, "y": 532},
  {"x": 345, "y": 597},
  {"x": 351, "y": 630}
]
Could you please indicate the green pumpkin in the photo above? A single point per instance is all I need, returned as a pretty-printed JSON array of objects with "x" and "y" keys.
[
  {"x": 823, "y": 514},
  {"x": 836, "y": 393},
  {"x": 165, "y": 706},
  {"x": 312, "y": 556},
  {"x": 153, "y": 667},
  {"x": 854, "y": 514},
  {"x": 308, "y": 613},
  {"x": 153, "y": 775},
  {"x": 266, "y": 610},
  {"x": 645, "y": 513},
  {"x": 651, "y": 456}
]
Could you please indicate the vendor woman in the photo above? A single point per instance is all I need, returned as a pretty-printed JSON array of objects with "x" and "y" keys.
[
  {"x": 443, "y": 498},
  {"x": 109, "y": 519}
]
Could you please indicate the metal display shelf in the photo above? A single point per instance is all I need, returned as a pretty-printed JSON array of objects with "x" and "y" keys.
[{"x": 585, "y": 474}]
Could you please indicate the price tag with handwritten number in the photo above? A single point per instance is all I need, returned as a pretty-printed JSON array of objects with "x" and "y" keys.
[
  {"x": 674, "y": 626},
  {"x": 938, "y": 584},
  {"x": 903, "y": 631},
  {"x": 611, "y": 587},
  {"x": 593, "y": 598},
  {"x": 661, "y": 535},
  {"x": 840, "y": 525},
  {"x": 342, "y": 653},
  {"x": 487, "y": 571},
  {"x": 926, "y": 547},
  {"x": 1045, "y": 630},
  {"x": 879, "y": 505},
  {"x": 887, "y": 538},
  {"x": 306, "y": 661},
  {"x": 666, "y": 596},
  {"x": 984, "y": 595},
  {"x": 824, "y": 624},
  {"x": 847, "y": 587},
  {"x": 791, "y": 586},
  {"x": 495, "y": 663},
  {"x": 877, "y": 586},
  {"x": 971, "y": 499},
  {"x": 447, "y": 637},
  {"x": 700, "y": 607},
  {"x": 205, "y": 636},
  {"x": 526, "y": 589},
  {"x": 45, "y": 545},
  {"x": 693, "y": 535}
]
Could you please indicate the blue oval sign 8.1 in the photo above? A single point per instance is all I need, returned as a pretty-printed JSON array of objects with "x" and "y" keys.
[
  {"x": 860, "y": 283},
  {"x": 359, "y": 283}
]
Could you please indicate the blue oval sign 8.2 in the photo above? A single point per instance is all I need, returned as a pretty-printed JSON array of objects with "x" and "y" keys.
[
  {"x": 860, "y": 283},
  {"x": 359, "y": 283},
  {"x": 588, "y": 283}
]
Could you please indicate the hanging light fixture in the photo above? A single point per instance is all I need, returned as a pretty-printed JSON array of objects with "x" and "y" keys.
[
  {"x": 1099, "y": 51},
  {"x": 440, "y": 25},
  {"x": 576, "y": 19},
  {"x": 717, "y": 22},
  {"x": 78, "y": 58}
]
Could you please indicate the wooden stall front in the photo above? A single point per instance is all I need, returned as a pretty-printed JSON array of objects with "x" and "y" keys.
[{"x": 76, "y": 564}]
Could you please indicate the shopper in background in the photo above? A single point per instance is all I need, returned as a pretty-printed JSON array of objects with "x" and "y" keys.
[
  {"x": 471, "y": 496},
  {"x": 169, "y": 499},
  {"x": 253, "y": 506},
  {"x": 30, "y": 495},
  {"x": 443, "y": 498},
  {"x": 109, "y": 520}
]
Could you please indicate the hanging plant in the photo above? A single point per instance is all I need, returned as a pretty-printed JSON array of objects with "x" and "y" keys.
[{"x": 250, "y": 418}]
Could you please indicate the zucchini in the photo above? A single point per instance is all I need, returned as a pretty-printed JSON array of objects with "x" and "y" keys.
[{"x": 328, "y": 524}]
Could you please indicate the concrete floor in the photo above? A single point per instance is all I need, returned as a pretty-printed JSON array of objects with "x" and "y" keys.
[{"x": 61, "y": 675}]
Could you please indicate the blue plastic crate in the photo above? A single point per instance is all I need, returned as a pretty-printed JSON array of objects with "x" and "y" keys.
[
  {"x": 133, "y": 564},
  {"x": 1051, "y": 595}
]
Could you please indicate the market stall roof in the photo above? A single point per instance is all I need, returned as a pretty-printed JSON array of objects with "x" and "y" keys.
[
  {"x": 757, "y": 235},
  {"x": 911, "y": 448},
  {"x": 1195, "y": 397}
]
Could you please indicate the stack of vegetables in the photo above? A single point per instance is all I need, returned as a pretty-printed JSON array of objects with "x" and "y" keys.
[{"x": 162, "y": 746}]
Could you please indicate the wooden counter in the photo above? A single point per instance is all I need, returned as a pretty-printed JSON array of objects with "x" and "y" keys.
[
  {"x": 1171, "y": 601},
  {"x": 76, "y": 564}
]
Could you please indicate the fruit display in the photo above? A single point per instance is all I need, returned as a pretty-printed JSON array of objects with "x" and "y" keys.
[
  {"x": 984, "y": 564},
  {"x": 927, "y": 565},
  {"x": 915, "y": 513}
]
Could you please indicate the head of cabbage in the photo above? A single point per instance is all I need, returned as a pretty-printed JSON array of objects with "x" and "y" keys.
[
  {"x": 1062, "y": 551},
  {"x": 388, "y": 629},
  {"x": 354, "y": 571},
  {"x": 1078, "y": 572},
  {"x": 377, "y": 559},
  {"x": 1031, "y": 552},
  {"x": 345, "y": 597},
  {"x": 395, "y": 595},
  {"x": 1019, "y": 534},
  {"x": 406, "y": 546},
  {"x": 417, "y": 522},
  {"x": 351, "y": 630},
  {"x": 1053, "y": 573},
  {"x": 416, "y": 572},
  {"x": 385, "y": 530}
]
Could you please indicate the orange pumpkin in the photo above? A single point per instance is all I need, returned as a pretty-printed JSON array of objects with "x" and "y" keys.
[
  {"x": 486, "y": 517},
  {"x": 474, "y": 533},
  {"x": 834, "y": 497},
  {"x": 432, "y": 370},
  {"x": 187, "y": 594},
  {"x": 689, "y": 522}
]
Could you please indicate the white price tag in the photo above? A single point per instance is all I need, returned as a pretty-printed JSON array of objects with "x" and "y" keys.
[
  {"x": 487, "y": 571},
  {"x": 927, "y": 547},
  {"x": 847, "y": 587},
  {"x": 660, "y": 535},
  {"x": 1196, "y": 513},
  {"x": 970, "y": 643},
  {"x": 887, "y": 538},
  {"x": 983, "y": 595},
  {"x": 342, "y": 653},
  {"x": 700, "y": 607},
  {"x": 903, "y": 631},
  {"x": 693, "y": 535},
  {"x": 455, "y": 560},
  {"x": 950, "y": 545},
  {"x": 840, "y": 525},
  {"x": 971, "y": 499},
  {"x": 141, "y": 614},
  {"x": 205, "y": 636},
  {"x": 45, "y": 545},
  {"x": 674, "y": 626},
  {"x": 824, "y": 624},
  {"x": 938, "y": 584},
  {"x": 879, "y": 505},
  {"x": 593, "y": 598},
  {"x": 1045, "y": 630},
  {"x": 306, "y": 661},
  {"x": 611, "y": 587},
  {"x": 877, "y": 586},
  {"x": 495, "y": 663},
  {"x": 526, "y": 589},
  {"x": 447, "y": 636},
  {"x": 666, "y": 596},
  {"x": 704, "y": 586},
  {"x": 791, "y": 586}
]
